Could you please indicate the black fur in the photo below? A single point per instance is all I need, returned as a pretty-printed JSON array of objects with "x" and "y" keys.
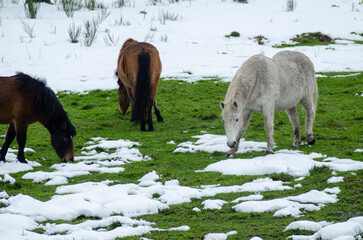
[
  {"x": 46, "y": 103},
  {"x": 142, "y": 100}
]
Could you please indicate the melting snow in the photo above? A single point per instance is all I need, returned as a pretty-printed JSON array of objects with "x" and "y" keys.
[
  {"x": 342, "y": 230},
  {"x": 212, "y": 143}
]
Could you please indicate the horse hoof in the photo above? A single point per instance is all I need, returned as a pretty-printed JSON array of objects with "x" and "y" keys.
[
  {"x": 312, "y": 142},
  {"x": 228, "y": 155},
  {"x": 151, "y": 129},
  {"x": 269, "y": 151},
  {"x": 22, "y": 161}
]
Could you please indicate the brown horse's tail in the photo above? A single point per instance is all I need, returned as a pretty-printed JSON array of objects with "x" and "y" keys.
[{"x": 142, "y": 98}]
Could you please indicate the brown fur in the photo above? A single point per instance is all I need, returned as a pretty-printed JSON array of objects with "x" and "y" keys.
[
  {"x": 128, "y": 71},
  {"x": 24, "y": 101},
  {"x": 15, "y": 105}
]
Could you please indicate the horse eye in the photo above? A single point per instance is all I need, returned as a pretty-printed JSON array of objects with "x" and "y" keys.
[{"x": 237, "y": 120}]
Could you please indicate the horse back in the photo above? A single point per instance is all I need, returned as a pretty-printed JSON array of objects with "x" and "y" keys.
[
  {"x": 254, "y": 82},
  {"x": 128, "y": 63},
  {"x": 298, "y": 68},
  {"x": 15, "y": 104},
  {"x": 296, "y": 75}
]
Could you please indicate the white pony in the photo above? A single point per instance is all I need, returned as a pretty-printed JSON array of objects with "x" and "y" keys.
[{"x": 267, "y": 85}]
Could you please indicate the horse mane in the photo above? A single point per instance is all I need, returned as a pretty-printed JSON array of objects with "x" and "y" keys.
[{"x": 46, "y": 103}]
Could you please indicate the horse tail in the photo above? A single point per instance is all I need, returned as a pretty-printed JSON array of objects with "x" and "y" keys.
[{"x": 142, "y": 91}]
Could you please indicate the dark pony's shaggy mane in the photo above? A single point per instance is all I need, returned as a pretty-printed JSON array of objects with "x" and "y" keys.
[{"x": 46, "y": 104}]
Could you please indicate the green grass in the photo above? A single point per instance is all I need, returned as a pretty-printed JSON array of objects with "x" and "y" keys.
[
  {"x": 312, "y": 39},
  {"x": 189, "y": 108},
  {"x": 309, "y": 39}
]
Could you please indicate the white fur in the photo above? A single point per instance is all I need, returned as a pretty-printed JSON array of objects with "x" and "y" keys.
[{"x": 267, "y": 85}]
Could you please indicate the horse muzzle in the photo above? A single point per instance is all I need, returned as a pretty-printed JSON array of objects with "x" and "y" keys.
[
  {"x": 232, "y": 144},
  {"x": 69, "y": 157}
]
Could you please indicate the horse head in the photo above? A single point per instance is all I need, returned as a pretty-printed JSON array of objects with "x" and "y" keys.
[
  {"x": 232, "y": 119},
  {"x": 62, "y": 141}
]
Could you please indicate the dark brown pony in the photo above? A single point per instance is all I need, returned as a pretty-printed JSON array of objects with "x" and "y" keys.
[
  {"x": 25, "y": 100},
  {"x": 138, "y": 72}
]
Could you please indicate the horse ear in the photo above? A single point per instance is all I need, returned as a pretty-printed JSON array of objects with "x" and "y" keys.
[
  {"x": 222, "y": 104},
  {"x": 235, "y": 104}
]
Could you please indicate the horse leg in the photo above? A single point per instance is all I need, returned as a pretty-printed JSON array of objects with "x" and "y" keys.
[
  {"x": 246, "y": 118},
  {"x": 268, "y": 114},
  {"x": 143, "y": 125},
  {"x": 294, "y": 119},
  {"x": 10, "y": 135},
  {"x": 123, "y": 99},
  {"x": 133, "y": 118},
  {"x": 21, "y": 139},
  {"x": 157, "y": 113},
  {"x": 310, "y": 116}
]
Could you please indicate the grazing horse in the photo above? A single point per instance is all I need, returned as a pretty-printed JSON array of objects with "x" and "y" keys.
[
  {"x": 25, "y": 100},
  {"x": 267, "y": 85},
  {"x": 138, "y": 73}
]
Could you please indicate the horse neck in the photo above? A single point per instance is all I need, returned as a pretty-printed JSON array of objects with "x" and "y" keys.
[
  {"x": 235, "y": 93},
  {"x": 52, "y": 124},
  {"x": 242, "y": 87},
  {"x": 49, "y": 124}
]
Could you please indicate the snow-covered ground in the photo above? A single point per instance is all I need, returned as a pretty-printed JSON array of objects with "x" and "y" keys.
[{"x": 192, "y": 47}]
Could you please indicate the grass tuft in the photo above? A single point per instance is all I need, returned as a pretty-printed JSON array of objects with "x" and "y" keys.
[
  {"x": 309, "y": 39},
  {"x": 241, "y": 1},
  {"x": 74, "y": 33},
  {"x": 233, "y": 34},
  {"x": 28, "y": 29},
  {"x": 31, "y": 9},
  {"x": 70, "y": 6}
]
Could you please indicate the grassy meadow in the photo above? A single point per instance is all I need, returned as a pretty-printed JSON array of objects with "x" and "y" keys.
[{"x": 188, "y": 109}]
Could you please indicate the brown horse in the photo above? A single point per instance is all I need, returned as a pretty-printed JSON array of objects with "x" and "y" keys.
[
  {"x": 25, "y": 100},
  {"x": 138, "y": 72}
]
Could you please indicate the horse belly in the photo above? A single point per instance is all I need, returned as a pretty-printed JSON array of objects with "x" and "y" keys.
[
  {"x": 287, "y": 101},
  {"x": 291, "y": 89},
  {"x": 6, "y": 114}
]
